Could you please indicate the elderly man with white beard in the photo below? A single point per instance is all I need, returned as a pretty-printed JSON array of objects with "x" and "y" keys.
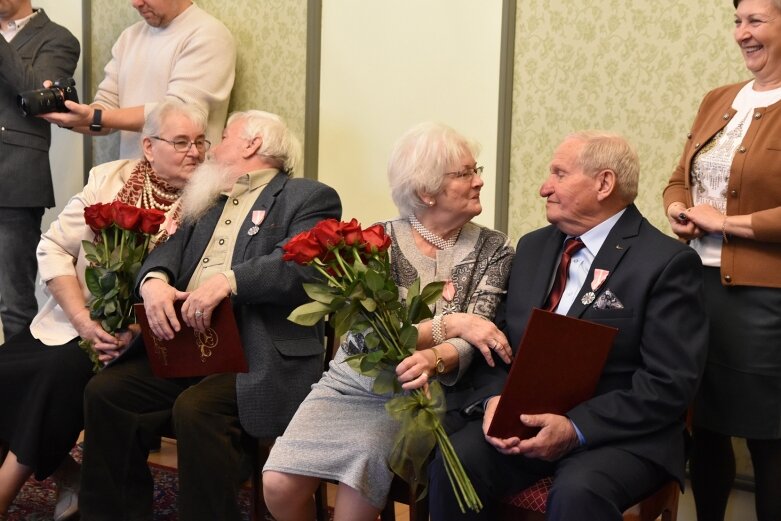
[{"x": 245, "y": 207}]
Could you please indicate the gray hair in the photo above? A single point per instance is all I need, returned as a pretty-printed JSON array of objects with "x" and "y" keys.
[
  {"x": 419, "y": 161},
  {"x": 608, "y": 151},
  {"x": 280, "y": 146},
  {"x": 161, "y": 111},
  {"x": 776, "y": 3}
]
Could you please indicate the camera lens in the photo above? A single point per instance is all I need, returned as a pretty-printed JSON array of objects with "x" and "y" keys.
[{"x": 41, "y": 101}]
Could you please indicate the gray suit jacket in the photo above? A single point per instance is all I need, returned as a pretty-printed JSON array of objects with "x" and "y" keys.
[
  {"x": 41, "y": 51},
  {"x": 284, "y": 359}
]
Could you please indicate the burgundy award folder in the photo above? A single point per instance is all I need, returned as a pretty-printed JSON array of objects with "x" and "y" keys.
[
  {"x": 557, "y": 366},
  {"x": 190, "y": 353}
]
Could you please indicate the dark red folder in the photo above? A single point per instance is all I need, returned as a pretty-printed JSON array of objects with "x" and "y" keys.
[
  {"x": 557, "y": 366},
  {"x": 190, "y": 353}
]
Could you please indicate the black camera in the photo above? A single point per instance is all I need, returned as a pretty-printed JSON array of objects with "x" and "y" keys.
[{"x": 42, "y": 101}]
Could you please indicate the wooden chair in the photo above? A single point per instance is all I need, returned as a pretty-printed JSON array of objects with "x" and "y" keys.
[{"x": 530, "y": 504}]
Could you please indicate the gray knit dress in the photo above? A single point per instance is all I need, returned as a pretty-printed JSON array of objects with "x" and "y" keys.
[{"x": 342, "y": 431}]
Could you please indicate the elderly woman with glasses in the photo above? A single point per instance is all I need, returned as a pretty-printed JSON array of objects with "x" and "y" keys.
[
  {"x": 342, "y": 430},
  {"x": 43, "y": 371}
]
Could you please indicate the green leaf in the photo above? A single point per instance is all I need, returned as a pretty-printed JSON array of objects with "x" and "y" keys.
[
  {"x": 371, "y": 340},
  {"x": 319, "y": 292},
  {"x": 415, "y": 304},
  {"x": 91, "y": 277},
  {"x": 374, "y": 280},
  {"x": 385, "y": 295},
  {"x": 413, "y": 290},
  {"x": 409, "y": 338},
  {"x": 108, "y": 281},
  {"x": 369, "y": 304},
  {"x": 90, "y": 251},
  {"x": 432, "y": 292},
  {"x": 110, "y": 307},
  {"x": 344, "y": 319},
  {"x": 309, "y": 314}
]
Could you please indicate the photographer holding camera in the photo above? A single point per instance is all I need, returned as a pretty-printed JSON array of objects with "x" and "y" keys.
[
  {"x": 179, "y": 51},
  {"x": 32, "y": 49}
]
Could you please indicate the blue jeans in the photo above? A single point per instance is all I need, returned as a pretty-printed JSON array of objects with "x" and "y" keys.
[{"x": 20, "y": 232}]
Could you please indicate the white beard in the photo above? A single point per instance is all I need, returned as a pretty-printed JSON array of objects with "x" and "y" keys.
[{"x": 203, "y": 189}]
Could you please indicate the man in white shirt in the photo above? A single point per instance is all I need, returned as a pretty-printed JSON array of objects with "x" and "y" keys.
[{"x": 178, "y": 51}]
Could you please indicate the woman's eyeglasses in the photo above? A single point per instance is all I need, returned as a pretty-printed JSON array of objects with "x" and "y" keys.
[
  {"x": 183, "y": 145},
  {"x": 466, "y": 173}
]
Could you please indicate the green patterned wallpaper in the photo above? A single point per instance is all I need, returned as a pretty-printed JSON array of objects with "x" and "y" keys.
[
  {"x": 635, "y": 67},
  {"x": 271, "y": 68}
]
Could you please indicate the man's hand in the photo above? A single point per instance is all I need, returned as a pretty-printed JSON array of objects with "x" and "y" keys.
[
  {"x": 508, "y": 446},
  {"x": 80, "y": 115},
  {"x": 556, "y": 438},
  {"x": 159, "y": 298},
  {"x": 197, "y": 309}
]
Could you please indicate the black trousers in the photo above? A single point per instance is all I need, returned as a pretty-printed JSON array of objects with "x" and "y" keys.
[
  {"x": 125, "y": 407},
  {"x": 597, "y": 484}
]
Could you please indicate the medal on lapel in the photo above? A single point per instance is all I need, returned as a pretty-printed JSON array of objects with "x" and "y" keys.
[
  {"x": 257, "y": 218},
  {"x": 448, "y": 292},
  {"x": 596, "y": 282}
]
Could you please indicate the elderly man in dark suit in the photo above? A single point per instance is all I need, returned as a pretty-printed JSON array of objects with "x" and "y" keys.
[
  {"x": 32, "y": 49},
  {"x": 619, "y": 446},
  {"x": 229, "y": 248}
]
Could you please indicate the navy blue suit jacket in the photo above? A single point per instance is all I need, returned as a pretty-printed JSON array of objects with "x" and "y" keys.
[{"x": 654, "y": 367}]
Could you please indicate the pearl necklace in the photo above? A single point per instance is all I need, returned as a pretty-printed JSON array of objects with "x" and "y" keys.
[
  {"x": 152, "y": 193},
  {"x": 431, "y": 237}
]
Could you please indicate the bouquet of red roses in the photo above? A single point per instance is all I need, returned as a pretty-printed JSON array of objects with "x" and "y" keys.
[
  {"x": 123, "y": 233},
  {"x": 359, "y": 295}
]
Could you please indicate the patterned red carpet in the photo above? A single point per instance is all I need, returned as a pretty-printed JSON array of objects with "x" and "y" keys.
[{"x": 36, "y": 500}]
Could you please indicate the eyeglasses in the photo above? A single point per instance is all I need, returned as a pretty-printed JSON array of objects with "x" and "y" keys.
[
  {"x": 467, "y": 173},
  {"x": 183, "y": 145}
]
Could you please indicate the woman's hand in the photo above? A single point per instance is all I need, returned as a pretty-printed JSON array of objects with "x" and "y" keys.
[
  {"x": 706, "y": 218},
  {"x": 107, "y": 346},
  {"x": 415, "y": 371},
  {"x": 481, "y": 333},
  {"x": 681, "y": 225}
]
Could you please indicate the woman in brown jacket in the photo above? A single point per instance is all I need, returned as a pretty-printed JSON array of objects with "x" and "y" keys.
[{"x": 725, "y": 198}]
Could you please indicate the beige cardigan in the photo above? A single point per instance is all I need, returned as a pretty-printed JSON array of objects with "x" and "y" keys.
[
  {"x": 754, "y": 187},
  {"x": 60, "y": 252}
]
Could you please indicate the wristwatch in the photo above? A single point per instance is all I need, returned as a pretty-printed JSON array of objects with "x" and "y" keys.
[
  {"x": 439, "y": 364},
  {"x": 96, "y": 126}
]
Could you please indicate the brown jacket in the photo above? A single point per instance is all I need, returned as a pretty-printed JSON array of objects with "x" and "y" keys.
[{"x": 754, "y": 187}]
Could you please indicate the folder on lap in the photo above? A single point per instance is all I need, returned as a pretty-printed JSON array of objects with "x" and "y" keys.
[
  {"x": 190, "y": 353},
  {"x": 557, "y": 366}
]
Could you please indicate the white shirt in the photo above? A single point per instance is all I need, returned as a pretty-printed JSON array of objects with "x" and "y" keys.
[
  {"x": 580, "y": 264},
  {"x": 13, "y": 27}
]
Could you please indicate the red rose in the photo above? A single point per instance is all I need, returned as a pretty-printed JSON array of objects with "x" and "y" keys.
[
  {"x": 98, "y": 216},
  {"x": 126, "y": 216},
  {"x": 328, "y": 233},
  {"x": 351, "y": 232},
  {"x": 375, "y": 239},
  {"x": 151, "y": 220},
  {"x": 302, "y": 249}
]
